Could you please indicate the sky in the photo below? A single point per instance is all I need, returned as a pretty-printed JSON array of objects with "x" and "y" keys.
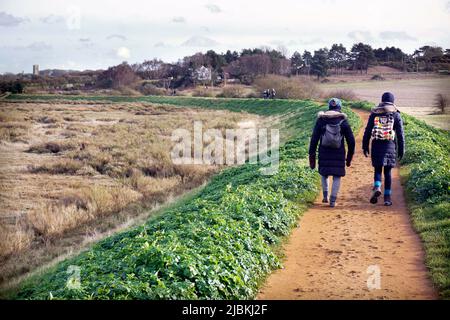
[{"x": 87, "y": 34}]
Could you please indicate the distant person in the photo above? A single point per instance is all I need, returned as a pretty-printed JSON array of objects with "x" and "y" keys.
[
  {"x": 385, "y": 127},
  {"x": 329, "y": 132},
  {"x": 273, "y": 93}
]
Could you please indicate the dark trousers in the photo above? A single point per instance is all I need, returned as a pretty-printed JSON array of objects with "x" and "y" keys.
[{"x": 387, "y": 178}]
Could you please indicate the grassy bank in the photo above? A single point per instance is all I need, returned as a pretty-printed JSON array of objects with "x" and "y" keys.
[
  {"x": 219, "y": 245},
  {"x": 426, "y": 175}
]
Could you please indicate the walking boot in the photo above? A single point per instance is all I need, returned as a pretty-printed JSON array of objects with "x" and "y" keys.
[
  {"x": 332, "y": 202},
  {"x": 325, "y": 197},
  {"x": 387, "y": 200},
  {"x": 376, "y": 192}
]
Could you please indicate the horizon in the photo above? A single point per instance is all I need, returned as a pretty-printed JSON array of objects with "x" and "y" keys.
[{"x": 79, "y": 36}]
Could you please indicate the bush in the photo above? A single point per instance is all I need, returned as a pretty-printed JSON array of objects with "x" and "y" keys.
[
  {"x": 377, "y": 77},
  {"x": 13, "y": 87},
  {"x": 288, "y": 88},
  {"x": 231, "y": 92},
  {"x": 148, "y": 89},
  {"x": 442, "y": 102},
  {"x": 202, "y": 92},
  {"x": 128, "y": 91},
  {"x": 343, "y": 94},
  {"x": 51, "y": 147},
  {"x": 69, "y": 167}
]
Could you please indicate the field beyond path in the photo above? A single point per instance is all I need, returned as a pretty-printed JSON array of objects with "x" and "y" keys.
[{"x": 328, "y": 255}]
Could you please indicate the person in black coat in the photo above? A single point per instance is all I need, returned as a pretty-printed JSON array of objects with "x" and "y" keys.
[
  {"x": 332, "y": 160},
  {"x": 385, "y": 127}
]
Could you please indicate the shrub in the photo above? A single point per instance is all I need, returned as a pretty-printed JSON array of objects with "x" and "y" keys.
[
  {"x": 148, "y": 89},
  {"x": 442, "y": 102},
  {"x": 288, "y": 88},
  {"x": 51, "y": 147},
  {"x": 202, "y": 92},
  {"x": 377, "y": 77},
  {"x": 343, "y": 94},
  {"x": 66, "y": 166},
  {"x": 231, "y": 92}
]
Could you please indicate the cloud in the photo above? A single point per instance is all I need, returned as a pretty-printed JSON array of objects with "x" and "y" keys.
[
  {"x": 8, "y": 20},
  {"x": 123, "y": 52},
  {"x": 396, "y": 35},
  {"x": 86, "y": 42},
  {"x": 50, "y": 19},
  {"x": 179, "y": 20},
  {"x": 304, "y": 42},
  {"x": 161, "y": 45},
  {"x": 39, "y": 46},
  {"x": 116, "y": 36},
  {"x": 199, "y": 41},
  {"x": 358, "y": 35},
  {"x": 213, "y": 8}
]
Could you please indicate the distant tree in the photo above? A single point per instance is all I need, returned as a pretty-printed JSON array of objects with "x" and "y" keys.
[
  {"x": 307, "y": 58},
  {"x": 217, "y": 60},
  {"x": 231, "y": 56},
  {"x": 430, "y": 55},
  {"x": 150, "y": 69},
  {"x": 281, "y": 66},
  {"x": 118, "y": 76},
  {"x": 319, "y": 63},
  {"x": 197, "y": 60},
  {"x": 338, "y": 57},
  {"x": 249, "y": 52},
  {"x": 11, "y": 86},
  {"x": 296, "y": 63},
  {"x": 247, "y": 67},
  {"x": 362, "y": 56}
]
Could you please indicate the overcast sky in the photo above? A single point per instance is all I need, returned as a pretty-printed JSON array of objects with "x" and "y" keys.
[{"x": 90, "y": 34}]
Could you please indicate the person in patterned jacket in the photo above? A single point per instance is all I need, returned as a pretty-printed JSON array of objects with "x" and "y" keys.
[{"x": 385, "y": 128}]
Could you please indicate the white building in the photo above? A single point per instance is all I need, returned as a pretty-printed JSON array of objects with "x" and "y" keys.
[{"x": 35, "y": 69}]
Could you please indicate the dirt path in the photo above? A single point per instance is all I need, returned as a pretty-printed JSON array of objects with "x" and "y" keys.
[{"x": 328, "y": 255}]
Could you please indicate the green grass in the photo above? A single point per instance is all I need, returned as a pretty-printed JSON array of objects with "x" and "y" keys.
[
  {"x": 220, "y": 244},
  {"x": 426, "y": 175}
]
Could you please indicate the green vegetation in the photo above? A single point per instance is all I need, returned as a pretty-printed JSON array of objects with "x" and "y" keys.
[
  {"x": 426, "y": 172},
  {"x": 218, "y": 245}
]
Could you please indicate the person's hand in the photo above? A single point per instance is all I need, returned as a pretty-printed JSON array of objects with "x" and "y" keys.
[
  {"x": 312, "y": 162},
  {"x": 348, "y": 162},
  {"x": 366, "y": 153}
]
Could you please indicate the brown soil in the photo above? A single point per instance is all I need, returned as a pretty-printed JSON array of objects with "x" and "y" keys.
[{"x": 328, "y": 255}]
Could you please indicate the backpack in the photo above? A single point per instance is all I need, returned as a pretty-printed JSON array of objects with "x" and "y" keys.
[
  {"x": 383, "y": 128},
  {"x": 332, "y": 137}
]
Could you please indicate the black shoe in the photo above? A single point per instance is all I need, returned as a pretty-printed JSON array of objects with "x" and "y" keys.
[
  {"x": 332, "y": 202},
  {"x": 325, "y": 197},
  {"x": 387, "y": 201},
  {"x": 375, "y": 194}
]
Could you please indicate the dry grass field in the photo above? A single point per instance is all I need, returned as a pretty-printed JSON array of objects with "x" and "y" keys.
[{"x": 66, "y": 167}]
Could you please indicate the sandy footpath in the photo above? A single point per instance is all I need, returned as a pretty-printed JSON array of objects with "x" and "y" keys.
[{"x": 335, "y": 251}]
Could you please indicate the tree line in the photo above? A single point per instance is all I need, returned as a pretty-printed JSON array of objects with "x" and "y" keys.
[
  {"x": 251, "y": 63},
  {"x": 248, "y": 64}
]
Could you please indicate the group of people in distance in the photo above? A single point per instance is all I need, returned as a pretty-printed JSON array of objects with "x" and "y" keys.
[
  {"x": 269, "y": 93},
  {"x": 385, "y": 129}
]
